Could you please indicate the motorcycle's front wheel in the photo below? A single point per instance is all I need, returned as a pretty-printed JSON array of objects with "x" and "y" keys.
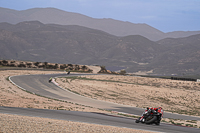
[
  {"x": 137, "y": 120},
  {"x": 150, "y": 119}
]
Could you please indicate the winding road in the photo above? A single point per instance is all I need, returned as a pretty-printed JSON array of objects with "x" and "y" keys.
[{"x": 38, "y": 84}]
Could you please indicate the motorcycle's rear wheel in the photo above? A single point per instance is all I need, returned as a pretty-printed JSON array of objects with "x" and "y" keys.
[{"x": 150, "y": 119}]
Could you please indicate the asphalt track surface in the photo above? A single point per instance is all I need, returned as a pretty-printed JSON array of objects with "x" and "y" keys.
[{"x": 39, "y": 84}]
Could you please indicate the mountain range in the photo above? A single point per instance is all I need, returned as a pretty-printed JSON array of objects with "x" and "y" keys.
[
  {"x": 73, "y": 44},
  {"x": 111, "y": 26}
]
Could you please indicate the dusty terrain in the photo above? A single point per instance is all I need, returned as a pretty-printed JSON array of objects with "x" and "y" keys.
[
  {"x": 12, "y": 96},
  {"x": 174, "y": 96},
  {"x": 24, "y": 124}
]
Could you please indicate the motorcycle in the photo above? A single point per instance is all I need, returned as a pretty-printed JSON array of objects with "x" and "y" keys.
[
  {"x": 68, "y": 72},
  {"x": 50, "y": 80},
  {"x": 151, "y": 116}
]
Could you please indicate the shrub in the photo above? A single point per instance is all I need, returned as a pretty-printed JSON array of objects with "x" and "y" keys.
[
  {"x": 21, "y": 65},
  {"x": 63, "y": 66},
  {"x": 29, "y": 64},
  {"x": 5, "y": 62},
  {"x": 70, "y": 65},
  {"x": 84, "y": 67},
  {"x": 41, "y": 66},
  {"x": 45, "y": 64},
  {"x": 122, "y": 72},
  {"x": 50, "y": 67},
  {"x": 36, "y": 63},
  {"x": 56, "y": 66}
]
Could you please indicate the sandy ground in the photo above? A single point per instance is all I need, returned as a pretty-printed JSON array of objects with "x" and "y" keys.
[
  {"x": 24, "y": 124},
  {"x": 12, "y": 96},
  {"x": 174, "y": 96}
]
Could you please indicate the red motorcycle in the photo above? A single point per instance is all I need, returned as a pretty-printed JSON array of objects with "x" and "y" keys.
[{"x": 151, "y": 116}]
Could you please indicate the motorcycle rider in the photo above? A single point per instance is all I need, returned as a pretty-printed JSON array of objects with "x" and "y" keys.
[
  {"x": 50, "y": 79},
  {"x": 68, "y": 72},
  {"x": 151, "y": 110},
  {"x": 154, "y": 110}
]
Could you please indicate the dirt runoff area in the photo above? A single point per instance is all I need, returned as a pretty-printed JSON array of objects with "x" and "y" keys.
[
  {"x": 12, "y": 96},
  {"x": 181, "y": 97}
]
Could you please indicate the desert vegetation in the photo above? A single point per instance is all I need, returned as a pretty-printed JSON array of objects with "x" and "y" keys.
[{"x": 44, "y": 65}]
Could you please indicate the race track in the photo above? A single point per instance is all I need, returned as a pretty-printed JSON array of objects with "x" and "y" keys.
[{"x": 38, "y": 84}]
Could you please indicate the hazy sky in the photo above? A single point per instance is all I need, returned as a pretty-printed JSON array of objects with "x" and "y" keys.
[{"x": 165, "y": 15}]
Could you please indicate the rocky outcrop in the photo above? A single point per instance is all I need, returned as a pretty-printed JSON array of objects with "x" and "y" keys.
[{"x": 104, "y": 70}]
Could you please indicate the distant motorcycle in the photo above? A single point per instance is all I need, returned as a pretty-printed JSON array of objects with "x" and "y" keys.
[
  {"x": 68, "y": 72},
  {"x": 50, "y": 79},
  {"x": 151, "y": 116}
]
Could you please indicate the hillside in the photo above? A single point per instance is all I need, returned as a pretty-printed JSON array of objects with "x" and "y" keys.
[
  {"x": 72, "y": 44},
  {"x": 40, "y": 42},
  {"x": 36, "y": 41},
  {"x": 183, "y": 55},
  {"x": 111, "y": 26}
]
